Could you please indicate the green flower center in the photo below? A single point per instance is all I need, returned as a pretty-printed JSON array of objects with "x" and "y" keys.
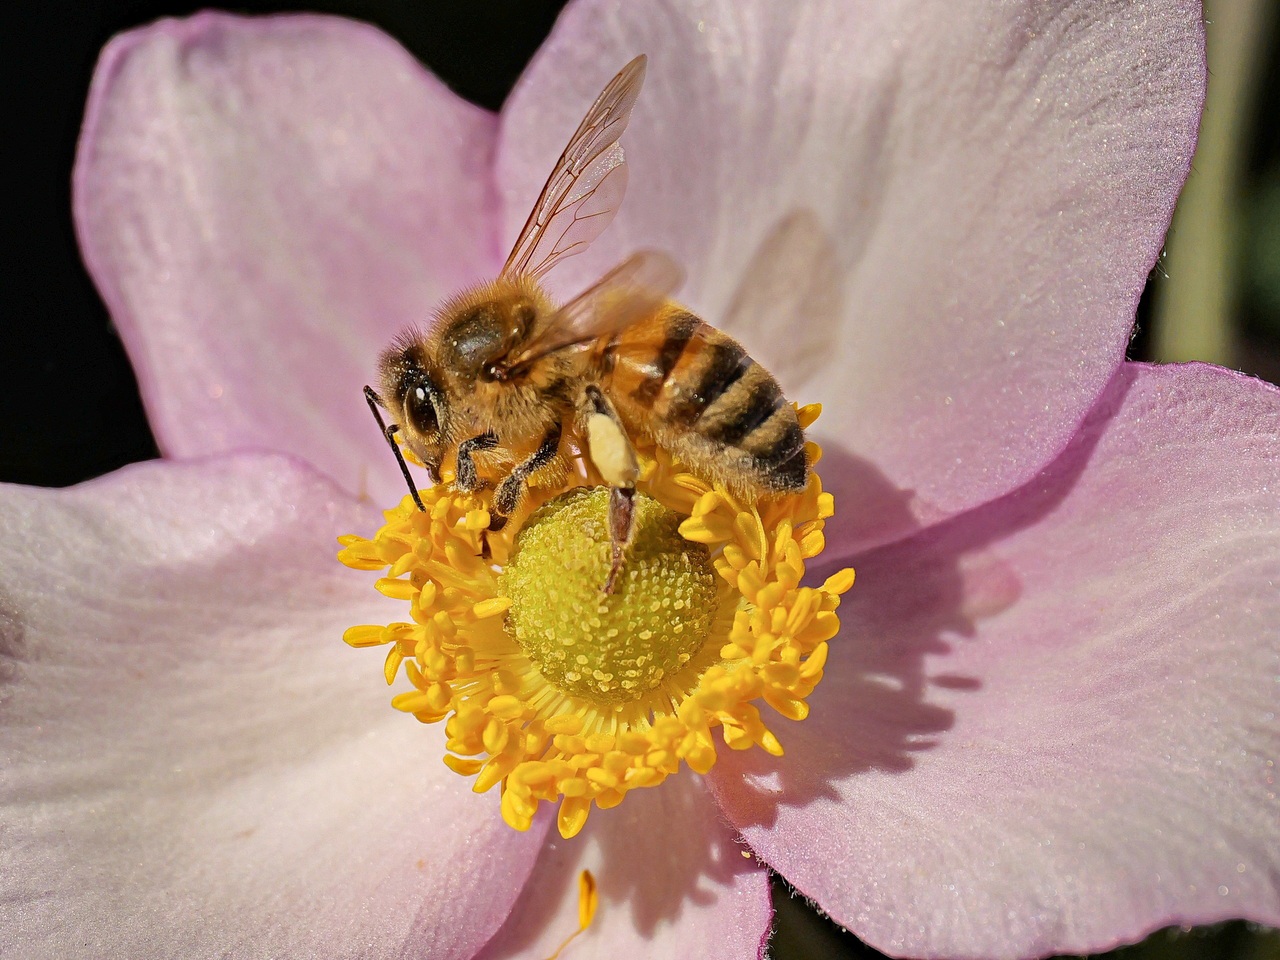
[{"x": 608, "y": 649}]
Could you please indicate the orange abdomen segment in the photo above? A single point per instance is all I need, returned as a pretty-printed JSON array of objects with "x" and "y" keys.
[{"x": 695, "y": 391}]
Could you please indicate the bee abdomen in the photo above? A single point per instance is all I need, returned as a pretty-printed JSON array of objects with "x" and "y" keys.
[
  {"x": 777, "y": 451},
  {"x": 674, "y": 331},
  {"x": 700, "y": 386}
]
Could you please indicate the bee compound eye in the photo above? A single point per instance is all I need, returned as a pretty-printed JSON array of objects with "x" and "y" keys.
[{"x": 420, "y": 409}]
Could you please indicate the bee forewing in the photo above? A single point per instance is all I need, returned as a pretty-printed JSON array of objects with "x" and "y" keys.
[
  {"x": 587, "y": 184},
  {"x": 584, "y": 217}
]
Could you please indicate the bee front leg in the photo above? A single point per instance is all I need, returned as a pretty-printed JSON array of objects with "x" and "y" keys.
[
  {"x": 467, "y": 480},
  {"x": 510, "y": 491}
]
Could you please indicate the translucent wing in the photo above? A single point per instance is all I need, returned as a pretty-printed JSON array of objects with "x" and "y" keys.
[
  {"x": 632, "y": 291},
  {"x": 588, "y": 182}
]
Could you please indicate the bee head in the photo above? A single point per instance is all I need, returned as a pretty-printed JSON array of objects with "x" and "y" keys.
[{"x": 417, "y": 402}]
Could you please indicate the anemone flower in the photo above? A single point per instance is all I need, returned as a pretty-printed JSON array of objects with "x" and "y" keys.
[{"x": 1048, "y": 721}]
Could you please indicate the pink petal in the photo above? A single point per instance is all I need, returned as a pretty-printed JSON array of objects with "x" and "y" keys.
[
  {"x": 673, "y": 880},
  {"x": 194, "y": 763},
  {"x": 936, "y": 220},
  {"x": 1049, "y": 726},
  {"x": 264, "y": 204}
]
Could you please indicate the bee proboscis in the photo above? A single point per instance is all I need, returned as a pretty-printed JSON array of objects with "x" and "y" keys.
[{"x": 491, "y": 386}]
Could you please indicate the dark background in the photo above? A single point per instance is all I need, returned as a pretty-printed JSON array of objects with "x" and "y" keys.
[{"x": 74, "y": 411}]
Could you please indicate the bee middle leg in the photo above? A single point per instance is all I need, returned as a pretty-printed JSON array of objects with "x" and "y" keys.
[{"x": 510, "y": 491}]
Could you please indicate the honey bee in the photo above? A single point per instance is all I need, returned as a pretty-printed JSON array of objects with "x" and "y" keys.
[{"x": 489, "y": 390}]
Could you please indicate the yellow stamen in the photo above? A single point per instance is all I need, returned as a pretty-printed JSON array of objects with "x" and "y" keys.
[
  {"x": 556, "y": 692},
  {"x": 588, "y": 899}
]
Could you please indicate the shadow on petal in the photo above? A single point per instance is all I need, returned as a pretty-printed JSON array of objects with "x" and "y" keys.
[
  {"x": 870, "y": 511},
  {"x": 913, "y": 602},
  {"x": 787, "y": 308},
  {"x": 870, "y": 712},
  {"x": 657, "y": 895},
  {"x": 788, "y": 312},
  {"x": 668, "y": 870}
]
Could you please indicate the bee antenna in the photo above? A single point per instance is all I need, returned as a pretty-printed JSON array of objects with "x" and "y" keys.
[{"x": 389, "y": 433}]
